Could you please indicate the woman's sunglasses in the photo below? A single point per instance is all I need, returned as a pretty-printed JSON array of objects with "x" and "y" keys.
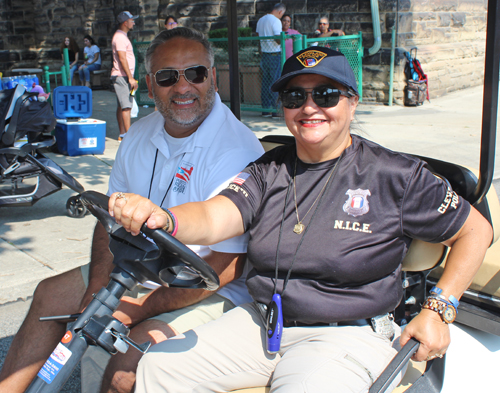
[
  {"x": 169, "y": 77},
  {"x": 323, "y": 96}
]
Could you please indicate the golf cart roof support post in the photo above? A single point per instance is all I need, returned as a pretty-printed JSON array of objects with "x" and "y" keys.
[
  {"x": 490, "y": 101},
  {"x": 234, "y": 74}
]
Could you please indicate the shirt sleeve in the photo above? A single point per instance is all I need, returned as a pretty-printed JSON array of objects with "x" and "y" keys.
[
  {"x": 432, "y": 211},
  {"x": 246, "y": 192},
  {"x": 277, "y": 27},
  {"x": 121, "y": 43}
]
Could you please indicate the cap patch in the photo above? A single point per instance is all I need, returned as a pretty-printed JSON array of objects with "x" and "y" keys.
[{"x": 311, "y": 58}]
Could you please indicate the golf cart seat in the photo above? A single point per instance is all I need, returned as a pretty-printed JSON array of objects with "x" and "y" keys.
[{"x": 423, "y": 258}]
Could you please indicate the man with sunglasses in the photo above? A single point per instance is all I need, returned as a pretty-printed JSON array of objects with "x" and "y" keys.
[
  {"x": 187, "y": 150},
  {"x": 122, "y": 73},
  {"x": 270, "y": 63},
  {"x": 324, "y": 29}
]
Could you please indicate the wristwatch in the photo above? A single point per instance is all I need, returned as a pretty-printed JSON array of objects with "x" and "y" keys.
[{"x": 446, "y": 310}]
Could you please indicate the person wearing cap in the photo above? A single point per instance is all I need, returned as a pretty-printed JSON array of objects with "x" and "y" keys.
[
  {"x": 122, "y": 73},
  {"x": 330, "y": 219}
]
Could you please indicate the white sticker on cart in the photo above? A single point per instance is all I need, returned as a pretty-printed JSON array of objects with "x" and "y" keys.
[
  {"x": 54, "y": 363},
  {"x": 85, "y": 143}
]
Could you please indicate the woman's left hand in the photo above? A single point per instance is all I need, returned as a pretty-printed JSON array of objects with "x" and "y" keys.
[{"x": 432, "y": 333}]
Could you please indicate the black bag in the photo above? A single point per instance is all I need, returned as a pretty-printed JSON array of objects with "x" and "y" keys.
[{"x": 415, "y": 92}]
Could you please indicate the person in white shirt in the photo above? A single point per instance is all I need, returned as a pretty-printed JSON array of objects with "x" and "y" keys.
[
  {"x": 188, "y": 150},
  {"x": 270, "y": 25},
  {"x": 92, "y": 55}
]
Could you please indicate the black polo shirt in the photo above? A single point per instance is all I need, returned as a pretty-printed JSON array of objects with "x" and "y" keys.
[{"x": 348, "y": 265}]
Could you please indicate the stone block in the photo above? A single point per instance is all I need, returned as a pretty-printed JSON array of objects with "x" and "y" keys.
[
  {"x": 405, "y": 23},
  {"x": 15, "y": 41},
  {"x": 206, "y": 9},
  {"x": 263, "y": 7},
  {"x": 388, "y": 6},
  {"x": 390, "y": 21},
  {"x": 4, "y": 56},
  {"x": 458, "y": 19},
  {"x": 325, "y": 8},
  {"x": 6, "y": 28},
  {"x": 306, "y": 23},
  {"x": 350, "y": 17},
  {"x": 444, "y": 19},
  {"x": 473, "y": 5},
  {"x": 42, "y": 27},
  {"x": 296, "y": 6},
  {"x": 371, "y": 60},
  {"x": 12, "y": 15}
]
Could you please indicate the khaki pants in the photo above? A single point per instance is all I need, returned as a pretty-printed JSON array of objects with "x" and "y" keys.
[{"x": 229, "y": 354}]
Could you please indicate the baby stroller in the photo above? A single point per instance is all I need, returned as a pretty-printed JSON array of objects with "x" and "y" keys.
[{"x": 26, "y": 175}]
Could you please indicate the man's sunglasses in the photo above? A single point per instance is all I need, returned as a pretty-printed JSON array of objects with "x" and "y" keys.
[
  {"x": 169, "y": 77},
  {"x": 323, "y": 96}
]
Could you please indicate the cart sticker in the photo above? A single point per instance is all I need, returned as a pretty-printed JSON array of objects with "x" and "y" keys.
[
  {"x": 86, "y": 143},
  {"x": 54, "y": 363},
  {"x": 67, "y": 337}
]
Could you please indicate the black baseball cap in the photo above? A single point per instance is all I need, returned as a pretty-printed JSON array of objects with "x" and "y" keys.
[{"x": 321, "y": 61}]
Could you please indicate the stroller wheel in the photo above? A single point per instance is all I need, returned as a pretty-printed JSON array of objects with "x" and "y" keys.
[{"x": 75, "y": 207}]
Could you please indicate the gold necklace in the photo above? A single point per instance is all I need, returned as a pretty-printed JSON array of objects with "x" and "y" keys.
[{"x": 299, "y": 227}]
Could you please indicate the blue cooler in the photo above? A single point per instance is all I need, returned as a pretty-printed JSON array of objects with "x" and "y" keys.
[{"x": 76, "y": 134}]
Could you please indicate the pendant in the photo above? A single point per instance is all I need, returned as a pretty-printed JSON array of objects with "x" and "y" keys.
[{"x": 298, "y": 228}]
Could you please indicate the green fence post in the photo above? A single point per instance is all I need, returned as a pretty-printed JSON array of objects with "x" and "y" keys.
[
  {"x": 283, "y": 48},
  {"x": 304, "y": 41},
  {"x": 46, "y": 76},
  {"x": 297, "y": 43},
  {"x": 64, "y": 77},
  {"x": 66, "y": 65},
  {"x": 360, "y": 72},
  {"x": 137, "y": 76}
]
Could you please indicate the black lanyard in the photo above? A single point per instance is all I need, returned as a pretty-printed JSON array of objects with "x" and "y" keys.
[
  {"x": 303, "y": 235},
  {"x": 171, "y": 181}
]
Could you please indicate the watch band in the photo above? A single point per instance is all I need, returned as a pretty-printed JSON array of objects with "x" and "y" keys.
[
  {"x": 446, "y": 310},
  {"x": 452, "y": 299}
]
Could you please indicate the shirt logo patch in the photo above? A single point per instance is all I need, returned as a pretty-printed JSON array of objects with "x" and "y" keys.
[
  {"x": 357, "y": 203},
  {"x": 311, "y": 58},
  {"x": 182, "y": 177},
  {"x": 240, "y": 179}
]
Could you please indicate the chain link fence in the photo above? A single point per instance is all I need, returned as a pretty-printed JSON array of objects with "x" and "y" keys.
[{"x": 250, "y": 72}]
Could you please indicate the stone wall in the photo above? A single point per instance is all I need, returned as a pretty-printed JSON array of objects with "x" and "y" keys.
[{"x": 449, "y": 34}]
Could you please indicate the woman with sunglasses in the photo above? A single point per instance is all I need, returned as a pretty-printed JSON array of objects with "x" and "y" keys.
[{"x": 330, "y": 219}]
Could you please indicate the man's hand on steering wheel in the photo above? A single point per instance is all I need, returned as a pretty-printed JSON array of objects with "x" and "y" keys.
[{"x": 132, "y": 211}]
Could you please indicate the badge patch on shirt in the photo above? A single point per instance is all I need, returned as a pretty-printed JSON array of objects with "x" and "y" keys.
[
  {"x": 182, "y": 176},
  {"x": 240, "y": 178},
  {"x": 357, "y": 203},
  {"x": 311, "y": 58}
]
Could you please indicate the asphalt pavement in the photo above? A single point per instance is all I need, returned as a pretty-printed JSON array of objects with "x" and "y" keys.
[{"x": 41, "y": 241}]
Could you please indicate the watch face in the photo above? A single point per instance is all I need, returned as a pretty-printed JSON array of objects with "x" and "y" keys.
[{"x": 449, "y": 314}]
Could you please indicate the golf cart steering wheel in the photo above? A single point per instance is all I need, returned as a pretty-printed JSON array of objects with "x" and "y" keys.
[{"x": 167, "y": 261}]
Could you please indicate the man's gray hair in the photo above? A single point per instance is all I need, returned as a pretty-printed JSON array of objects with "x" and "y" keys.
[
  {"x": 184, "y": 32},
  {"x": 279, "y": 7}
]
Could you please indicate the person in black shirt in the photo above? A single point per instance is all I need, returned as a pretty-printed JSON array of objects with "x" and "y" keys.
[
  {"x": 330, "y": 218},
  {"x": 73, "y": 51}
]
